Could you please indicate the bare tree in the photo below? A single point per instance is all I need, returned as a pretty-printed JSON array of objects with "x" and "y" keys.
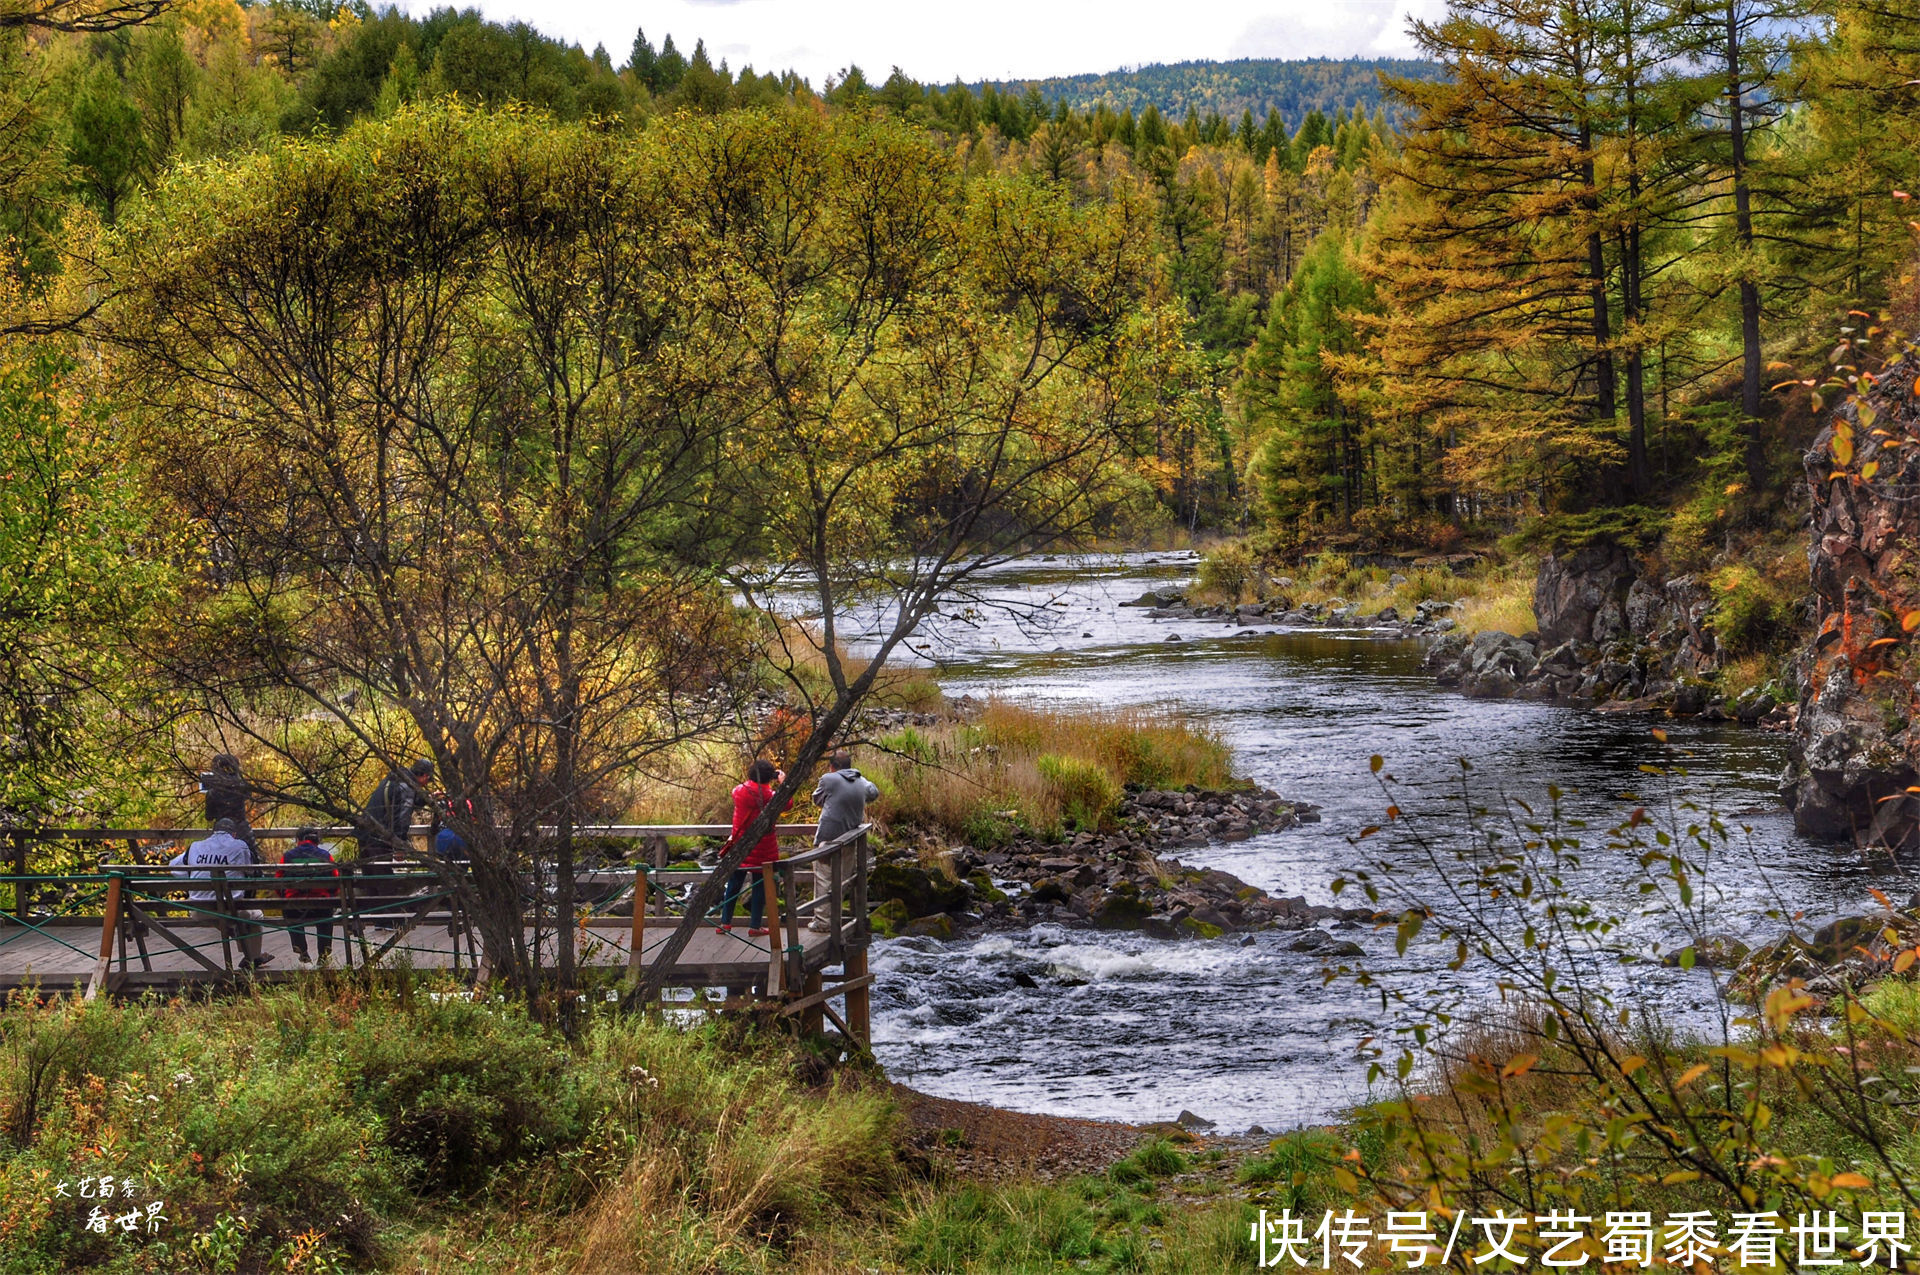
[
  {"x": 435, "y": 415},
  {"x": 950, "y": 377},
  {"x": 82, "y": 16}
]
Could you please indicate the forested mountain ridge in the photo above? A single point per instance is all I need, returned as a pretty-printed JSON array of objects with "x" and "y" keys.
[
  {"x": 1293, "y": 87},
  {"x": 1547, "y": 284}
]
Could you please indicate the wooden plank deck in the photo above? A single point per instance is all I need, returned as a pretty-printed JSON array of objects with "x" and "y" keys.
[
  {"x": 146, "y": 935},
  {"x": 710, "y": 959}
]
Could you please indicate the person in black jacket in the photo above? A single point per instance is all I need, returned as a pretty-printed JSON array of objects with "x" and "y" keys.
[
  {"x": 386, "y": 833},
  {"x": 226, "y": 790}
]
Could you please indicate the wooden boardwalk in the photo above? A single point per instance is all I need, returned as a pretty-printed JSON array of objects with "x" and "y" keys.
[
  {"x": 129, "y": 929},
  {"x": 58, "y": 957}
]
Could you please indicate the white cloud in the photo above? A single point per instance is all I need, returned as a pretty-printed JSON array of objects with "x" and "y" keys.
[
  {"x": 1315, "y": 31},
  {"x": 985, "y": 39}
]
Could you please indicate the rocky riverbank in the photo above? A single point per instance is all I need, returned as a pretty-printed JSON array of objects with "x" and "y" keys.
[
  {"x": 1426, "y": 619},
  {"x": 1119, "y": 879},
  {"x": 1609, "y": 637}
]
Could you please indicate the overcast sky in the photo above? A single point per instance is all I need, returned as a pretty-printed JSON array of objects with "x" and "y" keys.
[{"x": 935, "y": 40}]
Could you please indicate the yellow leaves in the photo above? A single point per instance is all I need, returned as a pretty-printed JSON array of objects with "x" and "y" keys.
[
  {"x": 1520, "y": 1066},
  {"x": 1691, "y": 1074},
  {"x": 1841, "y": 444},
  {"x": 1910, "y": 621},
  {"x": 1904, "y": 962},
  {"x": 1851, "y": 1181},
  {"x": 1631, "y": 1063},
  {"x": 1784, "y": 1002}
]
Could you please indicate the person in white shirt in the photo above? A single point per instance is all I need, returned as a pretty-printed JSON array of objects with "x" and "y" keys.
[{"x": 223, "y": 848}]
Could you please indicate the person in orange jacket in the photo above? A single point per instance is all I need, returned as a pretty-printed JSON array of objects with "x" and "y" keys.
[{"x": 749, "y": 799}]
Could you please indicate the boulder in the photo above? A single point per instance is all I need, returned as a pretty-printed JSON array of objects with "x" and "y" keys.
[
  {"x": 920, "y": 892},
  {"x": 1494, "y": 652},
  {"x": 1582, "y": 596},
  {"x": 937, "y": 926},
  {"x": 1121, "y": 908},
  {"x": 1647, "y": 612}
]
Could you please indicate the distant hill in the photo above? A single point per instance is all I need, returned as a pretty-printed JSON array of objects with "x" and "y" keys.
[{"x": 1228, "y": 88}]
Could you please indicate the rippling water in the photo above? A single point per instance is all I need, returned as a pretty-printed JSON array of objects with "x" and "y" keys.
[{"x": 1132, "y": 1028}]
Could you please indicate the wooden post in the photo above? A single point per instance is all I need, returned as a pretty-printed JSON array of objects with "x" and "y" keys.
[
  {"x": 859, "y": 995},
  {"x": 836, "y": 949},
  {"x": 796, "y": 954},
  {"x": 813, "y": 1019},
  {"x": 222, "y": 905},
  {"x": 658, "y": 846},
  {"x": 21, "y": 890},
  {"x": 634, "y": 963},
  {"x": 348, "y": 928},
  {"x": 109, "y": 926},
  {"x": 776, "y": 983}
]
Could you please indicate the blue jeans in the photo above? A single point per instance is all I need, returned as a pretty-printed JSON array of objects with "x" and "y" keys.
[{"x": 756, "y": 897}]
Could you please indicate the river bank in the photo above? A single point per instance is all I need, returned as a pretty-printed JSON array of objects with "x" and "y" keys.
[{"x": 1053, "y": 1016}]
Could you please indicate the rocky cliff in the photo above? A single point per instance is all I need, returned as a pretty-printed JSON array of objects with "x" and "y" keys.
[
  {"x": 1856, "y": 747},
  {"x": 1610, "y": 636}
]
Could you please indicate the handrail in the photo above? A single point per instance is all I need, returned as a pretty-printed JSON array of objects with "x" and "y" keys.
[
  {"x": 622, "y": 831},
  {"x": 199, "y": 916},
  {"x": 824, "y": 849}
]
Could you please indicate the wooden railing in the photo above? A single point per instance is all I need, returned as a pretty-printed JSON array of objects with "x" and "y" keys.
[{"x": 138, "y": 901}]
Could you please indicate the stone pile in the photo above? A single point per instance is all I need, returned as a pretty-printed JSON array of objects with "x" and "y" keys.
[
  {"x": 1116, "y": 880},
  {"x": 1608, "y": 638},
  {"x": 1428, "y": 618}
]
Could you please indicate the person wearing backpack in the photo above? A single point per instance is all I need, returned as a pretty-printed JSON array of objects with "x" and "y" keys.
[
  {"x": 310, "y": 895},
  {"x": 223, "y": 848}
]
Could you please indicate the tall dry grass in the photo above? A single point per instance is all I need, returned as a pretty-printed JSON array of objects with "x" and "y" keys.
[
  {"x": 737, "y": 1166},
  {"x": 1491, "y": 596},
  {"x": 1048, "y": 771}
]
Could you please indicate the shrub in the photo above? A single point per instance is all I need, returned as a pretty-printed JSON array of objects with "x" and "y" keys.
[
  {"x": 1752, "y": 613},
  {"x": 45, "y": 1047},
  {"x": 463, "y": 1089},
  {"x": 1230, "y": 573},
  {"x": 1084, "y": 793}
]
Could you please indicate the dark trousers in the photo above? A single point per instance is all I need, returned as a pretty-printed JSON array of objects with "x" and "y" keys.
[
  {"x": 756, "y": 897},
  {"x": 321, "y": 914}
]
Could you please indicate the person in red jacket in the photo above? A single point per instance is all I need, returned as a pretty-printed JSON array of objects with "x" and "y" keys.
[{"x": 749, "y": 799}]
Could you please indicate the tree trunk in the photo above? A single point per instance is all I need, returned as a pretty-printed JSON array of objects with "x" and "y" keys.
[{"x": 1743, "y": 231}]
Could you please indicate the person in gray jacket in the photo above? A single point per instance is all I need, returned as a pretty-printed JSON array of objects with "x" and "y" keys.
[{"x": 842, "y": 795}]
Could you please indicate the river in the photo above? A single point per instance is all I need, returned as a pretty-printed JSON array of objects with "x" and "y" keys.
[{"x": 1125, "y": 1027}]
